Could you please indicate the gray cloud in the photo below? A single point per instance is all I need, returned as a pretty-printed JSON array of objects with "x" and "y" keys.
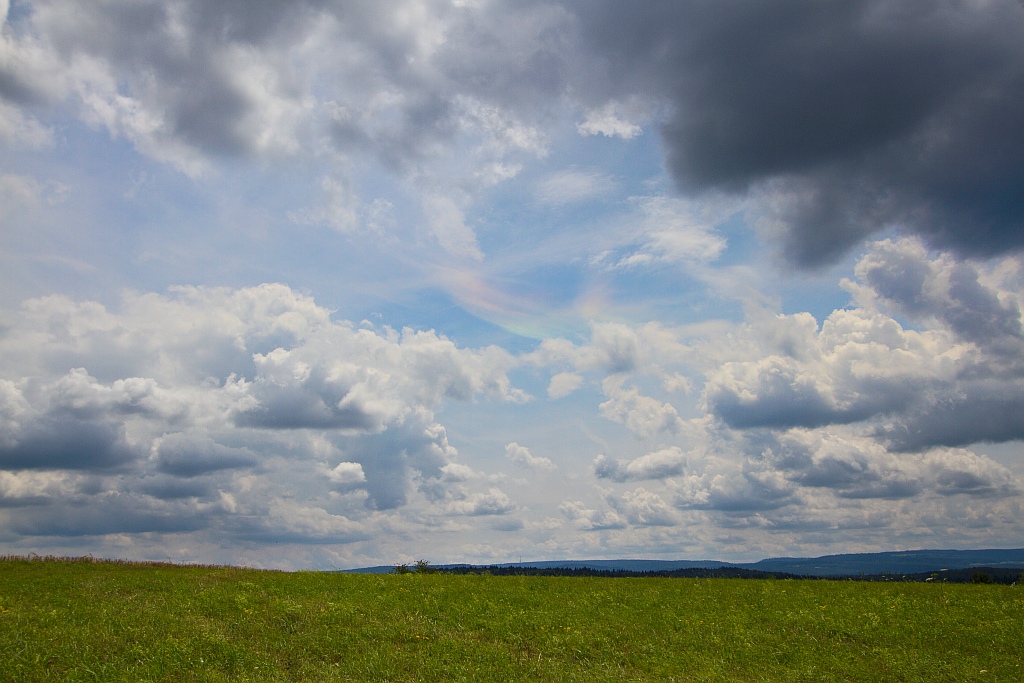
[
  {"x": 68, "y": 443},
  {"x": 865, "y": 114},
  {"x": 494, "y": 502},
  {"x": 399, "y": 460},
  {"x": 739, "y": 493},
  {"x": 109, "y": 514},
  {"x": 396, "y": 80},
  {"x": 175, "y": 63},
  {"x": 522, "y": 456},
  {"x": 184, "y": 455},
  {"x": 644, "y": 508},
  {"x": 780, "y": 392},
  {"x": 306, "y": 526},
  {"x": 906, "y": 279},
  {"x": 844, "y": 118},
  {"x": 74, "y": 422},
  {"x": 974, "y": 413},
  {"x": 171, "y": 487},
  {"x": 659, "y": 464},
  {"x": 262, "y": 419},
  {"x": 956, "y": 382},
  {"x": 859, "y": 467},
  {"x": 312, "y": 404},
  {"x": 587, "y": 519}
]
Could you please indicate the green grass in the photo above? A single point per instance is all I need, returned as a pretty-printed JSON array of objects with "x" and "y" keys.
[{"x": 86, "y": 621}]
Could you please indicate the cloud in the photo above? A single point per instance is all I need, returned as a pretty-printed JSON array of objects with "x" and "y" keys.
[
  {"x": 646, "y": 417},
  {"x": 287, "y": 521},
  {"x": 457, "y": 472},
  {"x": 19, "y": 194},
  {"x": 17, "y": 130},
  {"x": 72, "y": 423},
  {"x": 849, "y": 118},
  {"x": 448, "y": 226},
  {"x": 613, "y": 348},
  {"x": 522, "y": 456},
  {"x": 250, "y": 395},
  {"x": 644, "y": 508},
  {"x": 978, "y": 413},
  {"x": 22, "y": 488},
  {"x": 494, "y": 502},
  {"x": 901, "y": 276},
  {"x": 836, "y": 121},
  {"x": 668, "y": 462},
  {"x": 290, "y": 394},
  {"x": 218, "y": 420},
  {"x": 571, "y": 186},
  {"x": 675, "y": 231},
  {"x": 735, "y": 490},
  {"x": 112, "y": 513},
  {"x": 609, "y": 120},
  {"x": 192, "y": 455},
  {"x": 405, "y": 458},
  {"x": 182, "y": 81},
  {"x": 587, "y": 519},
  {"x": 954, "y": 383},
  {"x": 401, "y": 82},
  {"x": 858, "y": 467},
  {"x": 564, "y": 383},
  {"x": 171, "y": 487}
]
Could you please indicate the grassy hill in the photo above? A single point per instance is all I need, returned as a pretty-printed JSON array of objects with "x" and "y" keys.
[{"x": 85, "y": 621}]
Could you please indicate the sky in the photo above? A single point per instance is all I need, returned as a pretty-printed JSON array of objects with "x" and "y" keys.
[{"x": 322, "y": 284}]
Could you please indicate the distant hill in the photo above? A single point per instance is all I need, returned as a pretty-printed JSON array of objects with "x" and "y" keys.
[
  {"x": 602, "y": 565},
  {"x": 903, "y": 562},
  {"x": 852, "y": 564}
]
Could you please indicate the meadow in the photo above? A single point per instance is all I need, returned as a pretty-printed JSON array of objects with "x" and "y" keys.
[{"x": 64, "y": 620}]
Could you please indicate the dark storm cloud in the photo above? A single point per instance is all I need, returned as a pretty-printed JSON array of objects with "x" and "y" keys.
[
  {"x": 863, "y": 114},
  {"x": 22, "y": 501}
]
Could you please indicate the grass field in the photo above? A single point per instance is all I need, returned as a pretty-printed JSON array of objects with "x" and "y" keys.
[{"x": 89, "y": 621}]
